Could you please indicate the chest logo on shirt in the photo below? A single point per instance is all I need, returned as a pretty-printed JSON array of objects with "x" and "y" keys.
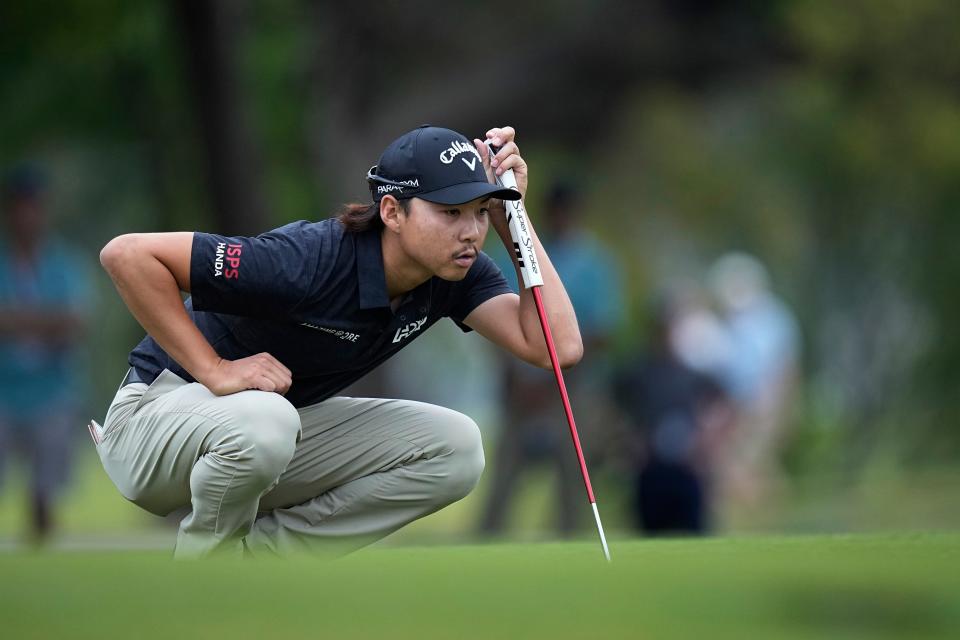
[
  {"x": 349, "y": 336},
  {"x": 405, "y": 332},
  {"x": 227, "y": 255}
]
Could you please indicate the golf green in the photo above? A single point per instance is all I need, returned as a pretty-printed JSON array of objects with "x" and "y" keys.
[{"x": 870, "y": 586}]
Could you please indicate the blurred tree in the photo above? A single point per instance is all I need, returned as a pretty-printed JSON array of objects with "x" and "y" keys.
[
  {"x": 558, "y": 70},
  {"x": 213, "y": 32},
  {"x": 91, "y": 92},
  {"x": 837, "y": 166},
  {"x": 879, "y": 146}
]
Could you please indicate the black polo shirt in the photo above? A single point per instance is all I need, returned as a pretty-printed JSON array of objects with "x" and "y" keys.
[{"x": 314, "y": 297}]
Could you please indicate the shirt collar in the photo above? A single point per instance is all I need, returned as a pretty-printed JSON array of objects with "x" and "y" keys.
[{"x": 372, "y": 281}]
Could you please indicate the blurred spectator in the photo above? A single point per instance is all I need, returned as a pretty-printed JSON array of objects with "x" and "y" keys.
[
  {"x": 678, "y": 416},
  {"x": 760, "y": 374},
  {"x": 43, "y": 295},
  {"x": 534, "y": 428}
]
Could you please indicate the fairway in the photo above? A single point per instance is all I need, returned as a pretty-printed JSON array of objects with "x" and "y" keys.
[{"x": 891, "y": 586}]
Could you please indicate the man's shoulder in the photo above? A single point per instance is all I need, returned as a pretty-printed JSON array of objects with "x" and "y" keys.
[
  {"x": 327, "y": 229},
  {"x": 324, "y": 241}
]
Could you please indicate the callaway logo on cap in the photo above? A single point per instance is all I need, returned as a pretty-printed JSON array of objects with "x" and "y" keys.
[{"x": 435, "y": 164}]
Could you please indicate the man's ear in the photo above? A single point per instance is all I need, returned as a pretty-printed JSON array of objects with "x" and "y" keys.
[{"x": 390, "y": 213}]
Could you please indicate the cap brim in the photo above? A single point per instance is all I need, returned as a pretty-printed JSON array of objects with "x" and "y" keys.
[{"x": 468, "y": 191}]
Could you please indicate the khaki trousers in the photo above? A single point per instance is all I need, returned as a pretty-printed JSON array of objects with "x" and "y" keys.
[{"x": 252, "y": 469}]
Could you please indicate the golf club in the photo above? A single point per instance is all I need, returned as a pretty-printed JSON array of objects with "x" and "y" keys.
[{"x": 532, "y": 279}]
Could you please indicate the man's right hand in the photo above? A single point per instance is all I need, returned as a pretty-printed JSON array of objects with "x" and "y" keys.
[{"x": 262, "y": 372}]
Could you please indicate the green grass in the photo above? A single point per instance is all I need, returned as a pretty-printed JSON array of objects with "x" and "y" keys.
[
  {"x": 837, "y": 587},
  {"x": 885, "y": 499},
  {"x": 851, "y": 586}
]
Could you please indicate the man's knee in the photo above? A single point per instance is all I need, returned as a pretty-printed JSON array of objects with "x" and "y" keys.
[
  {"x": 463, "y": 456},
  {"x": 270, "y": 429}
]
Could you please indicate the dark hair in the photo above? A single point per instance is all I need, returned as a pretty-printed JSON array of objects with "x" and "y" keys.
[{"x": 357, "y": 218}]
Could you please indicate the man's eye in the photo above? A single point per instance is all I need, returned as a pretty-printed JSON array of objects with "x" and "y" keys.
[
  {"x": 452, "y": 212},
  {"x": 484, "y": 211}
]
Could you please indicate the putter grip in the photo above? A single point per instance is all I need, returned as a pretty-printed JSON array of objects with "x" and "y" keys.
[{"x": 519, "y": 226}]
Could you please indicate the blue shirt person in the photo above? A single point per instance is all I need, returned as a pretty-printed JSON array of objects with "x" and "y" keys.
[{"x": 44, "y": 298}]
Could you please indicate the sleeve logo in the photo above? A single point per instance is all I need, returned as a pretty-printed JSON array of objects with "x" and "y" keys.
[{"x": 226, "y": 261}]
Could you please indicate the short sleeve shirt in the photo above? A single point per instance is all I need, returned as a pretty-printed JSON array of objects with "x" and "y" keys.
[{"x": 313, "y": 296}]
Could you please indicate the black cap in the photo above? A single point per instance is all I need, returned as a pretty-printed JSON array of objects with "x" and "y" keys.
[{"x": 435, "y": 164}]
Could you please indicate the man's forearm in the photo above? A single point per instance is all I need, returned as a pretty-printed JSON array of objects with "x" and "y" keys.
[
  {"x": 152, "y": 295},
  {"x": 556, "y": 303}
]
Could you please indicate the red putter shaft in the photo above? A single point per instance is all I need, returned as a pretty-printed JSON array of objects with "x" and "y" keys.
[{"x": 571, "y": 423}]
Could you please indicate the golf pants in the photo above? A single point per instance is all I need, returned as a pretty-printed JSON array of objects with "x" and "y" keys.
[{"x": 253, "y": 471}]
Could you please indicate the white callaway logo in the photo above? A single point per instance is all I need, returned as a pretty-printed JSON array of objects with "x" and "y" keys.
[{"x": 456, "y": 148}]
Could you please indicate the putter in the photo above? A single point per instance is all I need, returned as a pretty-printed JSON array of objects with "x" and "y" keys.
[{"x": 532, "y": 279}]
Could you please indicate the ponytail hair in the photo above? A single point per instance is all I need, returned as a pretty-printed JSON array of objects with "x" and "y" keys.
[{"x": 357, "y": 218}]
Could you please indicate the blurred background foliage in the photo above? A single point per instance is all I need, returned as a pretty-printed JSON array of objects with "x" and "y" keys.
[{"x": 820, "y": 136}]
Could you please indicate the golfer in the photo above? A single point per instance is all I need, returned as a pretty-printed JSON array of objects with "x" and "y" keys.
[{"x": 229, "y": 409}]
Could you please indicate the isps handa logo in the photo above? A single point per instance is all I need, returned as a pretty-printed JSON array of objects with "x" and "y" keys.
[
  {"x": 226, "y": 261},
  {"x": 405, "y": 332}
]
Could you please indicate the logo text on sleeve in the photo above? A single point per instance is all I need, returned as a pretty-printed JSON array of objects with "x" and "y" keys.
[{"x": 226, "y": 261}]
